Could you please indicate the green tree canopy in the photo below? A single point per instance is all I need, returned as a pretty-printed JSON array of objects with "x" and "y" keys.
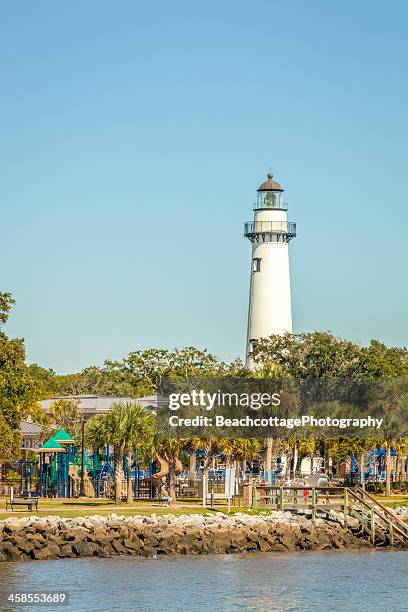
[
  {"x": 9, "y": 441},
  {"x": 322, "y": 355},
  {"x": 17, "y": 389},
  {"x": 65, "y": 414},
  {"x": 140, "y": 373},
  {"x": 6, "y": 302}
]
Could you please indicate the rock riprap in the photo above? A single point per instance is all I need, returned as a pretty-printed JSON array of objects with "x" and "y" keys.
[{"x": 96, "y": 536}]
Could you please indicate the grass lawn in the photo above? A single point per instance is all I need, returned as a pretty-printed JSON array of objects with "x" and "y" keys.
[
  {"x": 394, "y": 501},
  {"x": 71, "y": 508},
  {"x": 75, "y": 508},
  {"x": 396, "y": 504},
  {"x": 393, "y": 497}
]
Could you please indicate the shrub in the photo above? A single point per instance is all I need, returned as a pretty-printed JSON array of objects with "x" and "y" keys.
[
  {"x": 375, "y": 487},
  {"x": 12, "y": 476}
]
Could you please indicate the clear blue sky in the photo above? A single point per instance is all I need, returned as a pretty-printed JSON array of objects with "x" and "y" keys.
[{"x": 134, "y": 136}]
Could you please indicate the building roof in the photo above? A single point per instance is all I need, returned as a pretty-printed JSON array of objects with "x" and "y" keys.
[
  {"x": 30, "y": 429},
  {"x": 99, "y": 404},
  {"x": 270, "y": 185}
]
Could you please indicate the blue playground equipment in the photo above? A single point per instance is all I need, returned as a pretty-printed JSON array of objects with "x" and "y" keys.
[
  {"x": 375, "y": 466},
  {"x": 102, "y": 472},
  {"x": 27, "y": 472},
  {"x": 56, "y": 456},
  {"x": 60, "y": 468}
]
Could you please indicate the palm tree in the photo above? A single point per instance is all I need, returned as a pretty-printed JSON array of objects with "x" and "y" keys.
[
  {"x": 246, "y": 449},
  {"x": 125, "y": 427},
  {"x": 401, "y": 448},
  {"x": 274, "y": 371},
  {"x": 192, "y": 467},
  {"x": 138, "y": 429},
  {"x": 170, "y": 450},
  {"x": 210, "y": 447},
  {"x": 227, "y": 447},
  {"x": 94, "y": 434},
  {"x": 288, "y": 447},
  {"x": 394, "y": 409},
  {"x": 308, "y": 446}
]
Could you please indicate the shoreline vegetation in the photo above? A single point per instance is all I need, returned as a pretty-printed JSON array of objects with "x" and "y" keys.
[{"x": 54, "y": 537}]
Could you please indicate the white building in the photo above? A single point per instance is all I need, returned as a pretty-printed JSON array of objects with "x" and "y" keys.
[
  {"x": 88, "y": 405},
  {"x": 270, "y": 232}
]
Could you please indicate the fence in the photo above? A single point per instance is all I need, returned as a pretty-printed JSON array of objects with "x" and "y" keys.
[{"x": 323, "y": 499}]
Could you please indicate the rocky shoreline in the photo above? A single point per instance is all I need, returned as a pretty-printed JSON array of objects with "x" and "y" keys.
[{"x": 96, "y": 536}]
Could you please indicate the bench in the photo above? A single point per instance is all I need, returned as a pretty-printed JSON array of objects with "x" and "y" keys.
[
  {"x": 217, "y": 496},
  {"x": 22, "y": 501}
]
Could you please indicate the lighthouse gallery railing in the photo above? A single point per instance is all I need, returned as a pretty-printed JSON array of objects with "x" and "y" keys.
[{"x": 287, "y": 228}]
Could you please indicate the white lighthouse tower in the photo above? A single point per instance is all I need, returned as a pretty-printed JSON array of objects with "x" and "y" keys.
[{"x": 270, "y": 232}]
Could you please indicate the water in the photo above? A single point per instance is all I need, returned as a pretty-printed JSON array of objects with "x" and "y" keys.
[{"x": 263, "y": 582}]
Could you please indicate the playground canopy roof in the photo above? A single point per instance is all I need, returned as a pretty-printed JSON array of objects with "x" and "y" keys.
[
  {"x": 62, "y": 437},
  {"x": 51, "y": 445}
]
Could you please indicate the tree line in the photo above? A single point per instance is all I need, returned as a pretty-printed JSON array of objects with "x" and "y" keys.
[{"x": 318, "y": 355}]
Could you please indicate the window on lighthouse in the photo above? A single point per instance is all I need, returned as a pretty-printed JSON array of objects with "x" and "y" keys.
[{"x": 256, "y": 264}]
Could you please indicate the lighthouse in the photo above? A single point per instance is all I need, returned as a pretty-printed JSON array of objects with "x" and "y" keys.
[{"x": 270, "y": 310}]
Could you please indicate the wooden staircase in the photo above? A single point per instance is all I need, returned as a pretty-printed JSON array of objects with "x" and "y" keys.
[{"x": 383, "y": 527}]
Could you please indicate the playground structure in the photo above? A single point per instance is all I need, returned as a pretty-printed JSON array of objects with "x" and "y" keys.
[
  {"x": 74, "y": 474},
  {"x": 161, "y": 475},
  {"x": 56, "y": 456},
  {"x": 64, "y": 471}
]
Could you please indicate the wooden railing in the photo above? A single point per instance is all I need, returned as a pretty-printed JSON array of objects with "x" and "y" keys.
[
  {"x": 381, "y": 524},
  {"x": 298, "y": 499}
]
